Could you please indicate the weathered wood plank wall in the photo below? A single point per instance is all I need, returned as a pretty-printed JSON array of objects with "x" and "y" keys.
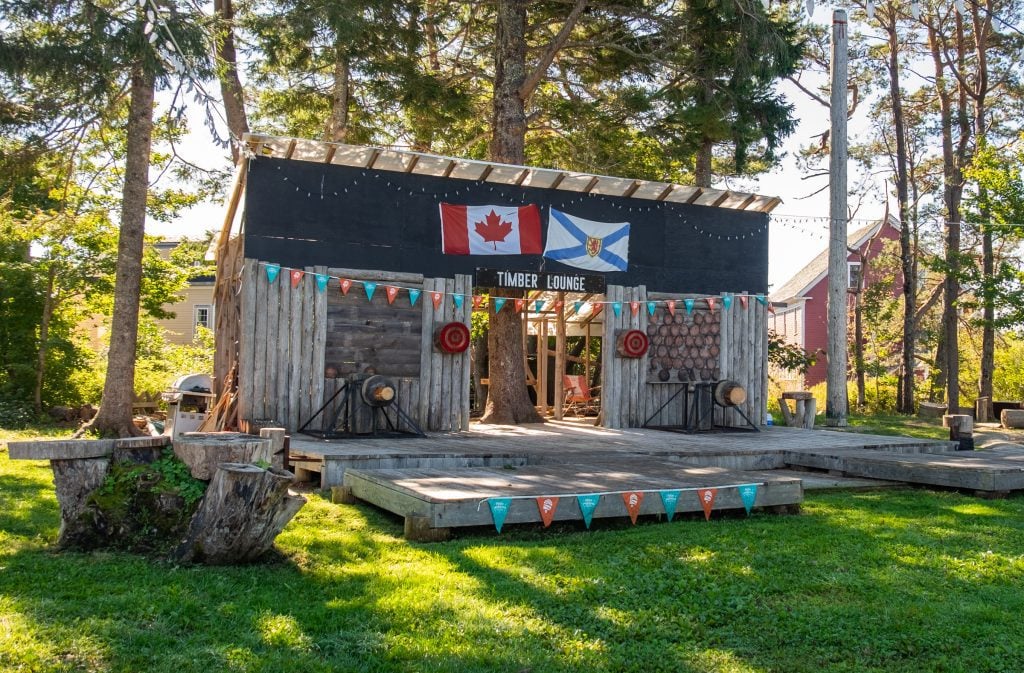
[{"x": 290, "y": 336}]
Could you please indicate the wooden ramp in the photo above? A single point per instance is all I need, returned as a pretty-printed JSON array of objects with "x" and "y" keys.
[
  {"x": 992, "y": 472},
  {"x": 433, "y": 501}
]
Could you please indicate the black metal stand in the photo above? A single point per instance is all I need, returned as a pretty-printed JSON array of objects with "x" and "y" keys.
[
  {"x": 341, "y": 426},
  {"x": 698, "y": 411}
]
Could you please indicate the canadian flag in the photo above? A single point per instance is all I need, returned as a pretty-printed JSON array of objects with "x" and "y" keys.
[{"x": 490, "y": 230}]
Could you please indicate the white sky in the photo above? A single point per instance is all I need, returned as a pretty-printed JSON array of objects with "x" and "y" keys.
[{"x": 790, "y": 247}]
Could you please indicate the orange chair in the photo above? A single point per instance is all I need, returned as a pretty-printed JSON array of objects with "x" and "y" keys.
[{"x": 579, "y": 398}]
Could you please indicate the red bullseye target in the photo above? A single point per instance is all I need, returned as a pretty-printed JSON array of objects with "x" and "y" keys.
[
  {"x": 632, "y": 344},
  {"x": 453, "y": 338}
]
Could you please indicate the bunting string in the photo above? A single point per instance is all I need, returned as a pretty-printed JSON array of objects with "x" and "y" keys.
[
  {"x": 712, "y": 302},
  {"x": 686, "y": 489}
]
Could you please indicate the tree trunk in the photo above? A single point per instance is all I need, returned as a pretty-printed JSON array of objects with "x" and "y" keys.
[
  {"x": 230, "y": 84},
  {"x": 44, "y": 338},
  {"x": 951, "y": 182},
  {"x": 905, "y": 390},
  {"x": 858, "y": 342},
  {"x": 115, "y": 413},
  {"x": 480, "y": 358},
  {"x": 982, "y": 30},
  {"x": 702, "y": 175},
  {"x": 508, "y": 400},
  {"x": 337, "y": 128}
]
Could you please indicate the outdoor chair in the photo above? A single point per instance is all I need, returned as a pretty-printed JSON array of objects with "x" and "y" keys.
[{"x": 580, "y": 399}]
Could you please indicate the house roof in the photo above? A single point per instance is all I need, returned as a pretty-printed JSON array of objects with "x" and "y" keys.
[
  {"x": 419, "y": 163},
  {"x": 809, "y": 276}
]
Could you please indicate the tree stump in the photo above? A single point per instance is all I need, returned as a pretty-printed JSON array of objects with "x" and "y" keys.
[
  {"x": 278, "y": 458},
  {"x": 204, "y": 451},
  {"x": 1012, "y": 418},
  {"x": 75, "y": 480},
  {"x": 244, "y": 509},
  {"x": 961, "y": 429}
]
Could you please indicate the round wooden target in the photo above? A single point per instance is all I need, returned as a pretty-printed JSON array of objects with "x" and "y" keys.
[
  {"x": 632, "y": 344},
  {"x": 452, "y": 338}
]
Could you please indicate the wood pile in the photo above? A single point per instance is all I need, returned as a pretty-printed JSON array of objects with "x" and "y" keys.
[{"x": 684, "y": 347}]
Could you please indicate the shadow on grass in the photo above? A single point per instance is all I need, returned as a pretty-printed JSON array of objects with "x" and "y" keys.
[{"x": 902, "y": 580}]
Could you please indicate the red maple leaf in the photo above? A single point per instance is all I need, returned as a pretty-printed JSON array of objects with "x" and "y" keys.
[{"x": 494, "y": 229}]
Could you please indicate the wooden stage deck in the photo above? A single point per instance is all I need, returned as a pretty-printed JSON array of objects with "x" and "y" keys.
[{"x": 442, "y": 481}]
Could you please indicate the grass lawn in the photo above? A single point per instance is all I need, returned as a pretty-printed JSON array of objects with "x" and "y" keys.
[{"x": 905, "y": 580}]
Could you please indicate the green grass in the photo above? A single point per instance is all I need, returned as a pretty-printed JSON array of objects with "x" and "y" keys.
[
  {"x": 910, "y": 426},
  {"x": 905, "y": 580}
]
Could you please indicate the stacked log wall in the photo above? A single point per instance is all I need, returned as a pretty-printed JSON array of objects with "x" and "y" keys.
[{"x": 702, "y": 345}]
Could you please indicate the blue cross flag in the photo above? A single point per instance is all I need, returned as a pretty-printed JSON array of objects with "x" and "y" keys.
[{"x": 597, "y": 246}]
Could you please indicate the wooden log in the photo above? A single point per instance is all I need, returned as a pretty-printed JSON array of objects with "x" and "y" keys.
[
  {"x": 203, "y": 451},
  {"x": 961, "y": 429},
  {"x": 1012, "y": 418},
  {"x": 319, "y": 355},
  {"x": 246, "y": 337},
  {"x": 261, "y": 343},
  {"x": 276, "y": 437},
  {"x": 244, "y": 509}
]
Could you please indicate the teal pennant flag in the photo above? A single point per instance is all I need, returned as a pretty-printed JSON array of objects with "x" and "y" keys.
[
  {"x": 689, "y": 306},
  {"x": 748, "y": 493},
  {"x": 726, "y": 301},
  {"x": 457, "y": 300},
  {"x": 588, "y": 503},
  {"x": 762, "y": 299},
  {"x": 538, "y": 305},
  {"x": 369, "y": 288},
  {"x": 321, "y": 282},
  {"x": 669, "y": 499},
  {"x": 577, "y": 305},
  {"x": 413, "y": 296},
  {"x": 499, "y": 510},
  {"x": 651, "y": 307},
  {"x": 272, "y": 271},
  {"x": 617, "y": 307},
  {"x": 499, "y": 303}
]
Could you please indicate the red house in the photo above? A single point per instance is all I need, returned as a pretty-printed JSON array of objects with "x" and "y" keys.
[{"x": 804, "y": 318}]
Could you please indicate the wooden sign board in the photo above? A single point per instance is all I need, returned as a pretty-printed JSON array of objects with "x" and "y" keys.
[{"x": 540, "y": 280}]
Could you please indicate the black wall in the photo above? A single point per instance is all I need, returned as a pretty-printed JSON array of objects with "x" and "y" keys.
[{"x": 300, "y": 214}]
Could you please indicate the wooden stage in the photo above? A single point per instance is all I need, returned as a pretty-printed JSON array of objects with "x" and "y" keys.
[{"x": 444, "y": 481}]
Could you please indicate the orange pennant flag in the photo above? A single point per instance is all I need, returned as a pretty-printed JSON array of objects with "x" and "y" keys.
[
  {"x": 547, "y": 506},
  {"x": 596, "y": 308},
  {"x": 707, "y": 500},
  {"x": 711, "y": 303},
  {"x": 744, "y": 299},
  {"x": 671, "y": 307},
  {"x": 436, "y": 297},
  {"x": 519, "y": 304},
  {"x": 296, "y": 277},
  {"x": 559, "y": 305},
  {"x": 477, "y": 301},
  {"x": 392, "y": 293},
  {"x": 346, "y": 284},
  {"x": 771, "y": 308},
  {"x": 634, "y": 307},
  {"x": 633, "y": 500}
]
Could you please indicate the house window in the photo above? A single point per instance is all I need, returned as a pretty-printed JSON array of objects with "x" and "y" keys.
[
  {"x": 203, "y": 316},
  {"x": 853, "y": 269}
]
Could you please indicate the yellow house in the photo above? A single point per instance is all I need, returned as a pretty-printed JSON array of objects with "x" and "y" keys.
[{"x": 193, "y": 310}]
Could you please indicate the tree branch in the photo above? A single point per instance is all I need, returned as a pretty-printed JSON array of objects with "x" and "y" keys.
[{"x": 534, "y": 79}]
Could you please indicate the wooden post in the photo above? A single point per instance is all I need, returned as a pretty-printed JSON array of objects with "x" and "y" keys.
[
  {"x": 559, "y": 355},
  {"x": 542, "y": 365},
  {"x": 836, "y": 407}
]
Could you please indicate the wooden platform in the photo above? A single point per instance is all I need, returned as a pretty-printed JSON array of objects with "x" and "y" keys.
[
  {"x": 576, "y": 441},
  {"x": 993, "y": 472},
  {"x": 434, "y": 500}
]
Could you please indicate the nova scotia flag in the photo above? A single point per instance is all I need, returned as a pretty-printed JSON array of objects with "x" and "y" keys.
[{"x": 597, "y": 246}]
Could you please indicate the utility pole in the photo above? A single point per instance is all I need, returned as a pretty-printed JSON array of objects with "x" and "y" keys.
[{"x": 838, "y": 277}]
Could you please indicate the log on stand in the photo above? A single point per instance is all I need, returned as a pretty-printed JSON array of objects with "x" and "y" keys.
[
  {"x": 244, "y": 509},
  {"x": 204, "y": 451}
]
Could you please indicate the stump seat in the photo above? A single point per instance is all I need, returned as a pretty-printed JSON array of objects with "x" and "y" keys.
[{"x": 805, "y": 409}]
